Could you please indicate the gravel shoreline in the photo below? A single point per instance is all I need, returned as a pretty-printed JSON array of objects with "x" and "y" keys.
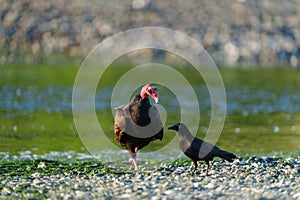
[{"x": 252, "y": 178}]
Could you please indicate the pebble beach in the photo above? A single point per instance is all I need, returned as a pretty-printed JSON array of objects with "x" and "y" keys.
[
  {"x": 251, "y": 178},
  {"x": 42, "y": 46}
]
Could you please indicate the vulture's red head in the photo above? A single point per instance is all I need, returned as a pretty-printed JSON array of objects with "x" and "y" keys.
[{"x": 149, "y": 90}]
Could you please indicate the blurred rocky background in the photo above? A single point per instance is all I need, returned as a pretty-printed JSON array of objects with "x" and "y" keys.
[{"x": 234, "y": 32}]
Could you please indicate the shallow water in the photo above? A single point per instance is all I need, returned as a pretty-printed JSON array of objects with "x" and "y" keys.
[{"x": 263, "y": 113}]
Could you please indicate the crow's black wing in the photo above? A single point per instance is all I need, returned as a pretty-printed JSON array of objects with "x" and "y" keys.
[{"x": 203, "y": 150}]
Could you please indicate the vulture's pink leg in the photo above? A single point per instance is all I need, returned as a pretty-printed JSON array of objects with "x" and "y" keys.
[{"x": 132, "y": 160}]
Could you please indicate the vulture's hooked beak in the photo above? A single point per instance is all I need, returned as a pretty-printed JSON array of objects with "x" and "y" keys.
[{"x": 156, "y": 99}]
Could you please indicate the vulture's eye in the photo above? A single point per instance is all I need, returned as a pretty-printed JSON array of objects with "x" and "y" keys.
[{"x": 150, "y": 91}]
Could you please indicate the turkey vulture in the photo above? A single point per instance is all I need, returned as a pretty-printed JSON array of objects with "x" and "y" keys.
[
  {"x": 138, "y": 123},
  {"x": 191, "y": 147}
]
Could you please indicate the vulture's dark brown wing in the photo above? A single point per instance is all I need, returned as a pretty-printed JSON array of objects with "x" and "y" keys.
[
  {"x": 156, "y": 123},
  {"x": 155, "y": 117},
  {"x": 119, "y": 125},
  {"x": 124, "y": 123}
]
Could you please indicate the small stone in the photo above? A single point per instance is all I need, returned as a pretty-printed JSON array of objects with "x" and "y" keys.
[
  {"x": 297, "y": 195},
  {"x": 276, "y": 129},
  {"x": 138, "y": 4},
  {"x": 254, "y": 165},
  {"x": 210, "y": 186},
  {"x": 168, "y": 192},
  {"x": 252, "y": 159},
  {"x": 180, "y": 169},
  {"x": 269, "y": 160},
  {"x": 41, "y": 165},
  {"x": 36, "y": 174},
  {"x": 128, "y": 191},
  {"x": 6, "y": 191},
  {"x": 241, "y": 163}
]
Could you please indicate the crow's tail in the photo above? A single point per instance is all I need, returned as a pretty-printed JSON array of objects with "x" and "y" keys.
[{"x": 227, "y": 156}]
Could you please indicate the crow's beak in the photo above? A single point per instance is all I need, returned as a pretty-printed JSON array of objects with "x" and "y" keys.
[{"x": 174, "y": 127}]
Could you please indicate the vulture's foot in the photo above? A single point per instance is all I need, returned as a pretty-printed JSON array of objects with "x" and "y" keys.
[{"x": 132, "y": 162}]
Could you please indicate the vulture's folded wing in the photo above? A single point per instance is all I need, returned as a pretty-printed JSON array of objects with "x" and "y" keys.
[
  {"x": 155, "y": 117},
  {"x": 120, "y": 117},
  {"x": 124, "y": 123},
  {"x": 119, "y": 125}
]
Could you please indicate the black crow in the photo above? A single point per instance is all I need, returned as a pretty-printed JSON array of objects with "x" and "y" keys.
[{"x": 197, "y": 149}]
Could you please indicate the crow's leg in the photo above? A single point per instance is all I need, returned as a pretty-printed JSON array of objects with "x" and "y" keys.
[
  {"x": 196, "y": 166},
  {"x": 207, "y": 162}
]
